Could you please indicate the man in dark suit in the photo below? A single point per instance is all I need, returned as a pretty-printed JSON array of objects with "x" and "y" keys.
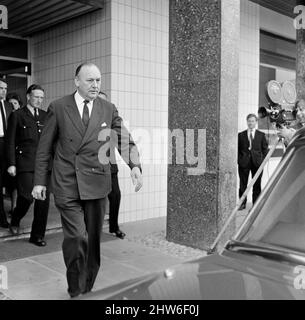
[
  {"x": 24, "y": 130},
  {"x": 5, "y": 111},
  {"x": 80, "y": 125},
  {"x": 252, "y": 149},
  {"x": 114, "y": 196}
]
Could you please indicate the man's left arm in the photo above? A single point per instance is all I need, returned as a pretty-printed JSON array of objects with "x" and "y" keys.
[{"x": 127, "y": 148}]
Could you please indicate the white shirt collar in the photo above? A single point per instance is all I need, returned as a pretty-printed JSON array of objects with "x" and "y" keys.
[
  {"x": 253, "y": 131},
  {"x": 32, "y": 109},
  {"x": 80, "y": 103}
]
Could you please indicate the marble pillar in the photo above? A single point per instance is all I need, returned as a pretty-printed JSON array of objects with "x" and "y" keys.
[
  {"x": 300, "y": 68},
  {"x": 203, "y": 98}
]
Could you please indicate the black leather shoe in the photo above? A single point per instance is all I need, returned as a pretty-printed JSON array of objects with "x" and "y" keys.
[
  {"x": 74, "y": 294},
  {"x": 4, "y": 225},
  {"x": 38, "y": 242},
  {"x": 14, "y": 230},
  {"x": 119, "y": 234},
  {"x": 242, "y": 207}
]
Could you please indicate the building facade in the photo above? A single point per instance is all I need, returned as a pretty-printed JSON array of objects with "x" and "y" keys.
[{"x": 129, "y": 41}]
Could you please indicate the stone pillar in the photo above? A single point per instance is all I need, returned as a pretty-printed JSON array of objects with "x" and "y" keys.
[
  {"x": 203, "y": 94},
  {"x": 300, "y": 68}
]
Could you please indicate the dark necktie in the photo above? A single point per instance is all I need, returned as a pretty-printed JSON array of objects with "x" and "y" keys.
[
  {"x": 251, "y": 140},
  {"x": 36, "y": 115},
  {"x": 3, "y": 117},
  {"x": 85, "y": 117}
]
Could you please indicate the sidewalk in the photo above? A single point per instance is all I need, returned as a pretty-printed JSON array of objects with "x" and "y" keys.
[{"x": 43, "y": 276}]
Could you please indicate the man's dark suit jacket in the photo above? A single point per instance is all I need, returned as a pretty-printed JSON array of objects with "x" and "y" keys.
[
  {"x": 257, "y": 153},
  {"x": 77, "y": 172},
  {"x": 22, "y": 139},
  {"x": 8, "y": 110}
]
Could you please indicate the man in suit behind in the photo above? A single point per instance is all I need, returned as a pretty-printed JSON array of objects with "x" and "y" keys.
[
  {"x": 24, "y": 130},
  {"x": 252, "y": 149},
  {"x": 5, "y": 111},
  {"x": 79, "y": 124},
  {"x": 114, "y": 196}
]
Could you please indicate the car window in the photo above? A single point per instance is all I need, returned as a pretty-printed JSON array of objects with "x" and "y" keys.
[{"x": 281, "y": 217}]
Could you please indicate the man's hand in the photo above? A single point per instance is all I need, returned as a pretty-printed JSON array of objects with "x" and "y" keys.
[
  {"x": 12, "y": 171},
  {"x": 39, "y": 192},
  {"x": 286, "y": 133},
  {"x": 137, "y": 179}
]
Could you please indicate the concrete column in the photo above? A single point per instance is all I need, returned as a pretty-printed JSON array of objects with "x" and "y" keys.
[
  {"x": 203, "y": 95},
  {"x": 300, "y": 68}
]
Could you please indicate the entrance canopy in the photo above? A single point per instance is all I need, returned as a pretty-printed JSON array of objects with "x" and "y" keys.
[
  {"x": 26, "y": 17},
  {"x": 285, "y": 7}
]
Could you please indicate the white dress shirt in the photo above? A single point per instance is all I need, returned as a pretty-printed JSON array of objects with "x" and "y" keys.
[
  {"x": 33, "y": 110},
  {"x": 253, "y": 135},
  {"x": 80, "y": 104},
  {"x": 1, "y": 123}
]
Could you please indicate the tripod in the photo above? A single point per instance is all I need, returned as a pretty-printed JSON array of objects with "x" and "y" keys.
[{"x": 243, "y": 197}]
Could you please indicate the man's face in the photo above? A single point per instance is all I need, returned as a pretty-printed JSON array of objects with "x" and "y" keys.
[
  {"x": 252, "y": 122},
  {"x": 88, "y": 82},
  {"x": 301, "y": 112},
  {"x": 35, "y": 98},
  {"x": 3, "y": 90}
]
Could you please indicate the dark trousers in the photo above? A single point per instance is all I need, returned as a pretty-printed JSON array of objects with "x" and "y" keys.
[
  {"x": 25, "y": 184},
  {"x": 243, "y": 176},
  {"x": 2, "y": 176},
  {"x": 114, "y": 198},
  {"x": 82, "y": 222}
]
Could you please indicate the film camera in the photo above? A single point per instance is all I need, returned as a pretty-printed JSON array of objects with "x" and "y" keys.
[{"x": 281, "y": 103}]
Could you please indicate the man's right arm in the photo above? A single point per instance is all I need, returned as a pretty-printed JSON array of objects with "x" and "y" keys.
[
  {"x": 11, "y": 143},
  {"x": 45, "y": 148}
]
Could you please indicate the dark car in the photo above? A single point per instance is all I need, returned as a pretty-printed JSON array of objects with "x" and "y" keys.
[{"x": 264, "y": 260}]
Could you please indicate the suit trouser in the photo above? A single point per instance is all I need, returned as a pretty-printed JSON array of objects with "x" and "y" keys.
[
  {"x": 244, "y": 176},
  {"x": 82, "y": 222},
  {"x": 25, "y": 183},
  {"x": 2, "y": 175},
  {"x": 114, "y": 203}
]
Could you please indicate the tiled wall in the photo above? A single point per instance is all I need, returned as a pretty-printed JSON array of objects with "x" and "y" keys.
[
  {"x": 57, "y": 51},
  {"x": 129, "y": 41},
  {"x": 139, "y": 87},
  {"x": 249, "y": 61}
]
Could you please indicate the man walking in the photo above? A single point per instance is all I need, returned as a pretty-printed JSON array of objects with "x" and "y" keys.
[
  {"x": 5, "y": 111},
  {"x": 252, "y": 149},
  {"x": 81, "y": 180},
  {"x": 24, "y": 130}
]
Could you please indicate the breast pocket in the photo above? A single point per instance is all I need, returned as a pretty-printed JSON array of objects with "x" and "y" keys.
[{"x": 27, "y": 132}]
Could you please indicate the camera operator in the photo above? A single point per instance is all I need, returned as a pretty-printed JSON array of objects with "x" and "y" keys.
[{"x": 288, "y": 133}]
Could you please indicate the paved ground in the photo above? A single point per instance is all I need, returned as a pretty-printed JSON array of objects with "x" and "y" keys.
[
  {"x": 145, "y": 249},
  {"x": 43, "y": 276}
]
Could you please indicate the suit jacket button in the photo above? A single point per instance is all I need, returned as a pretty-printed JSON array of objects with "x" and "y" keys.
[
  {"x": 76, "y": 154},
  {"x": 92, "y": 169}
]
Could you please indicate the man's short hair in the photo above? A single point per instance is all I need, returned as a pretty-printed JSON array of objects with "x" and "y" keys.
[
  {"x": 84, "y": 64},
  {"x": 298, "y": 102},
  {"x": 34, "y": 87},
  {"x": 3, "y": 80},
  {"x": 103, "y": 93},
  {"x": 252, "y": 115}
]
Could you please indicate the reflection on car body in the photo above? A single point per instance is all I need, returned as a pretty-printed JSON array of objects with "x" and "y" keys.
[{"x": 264, "y": 260}]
